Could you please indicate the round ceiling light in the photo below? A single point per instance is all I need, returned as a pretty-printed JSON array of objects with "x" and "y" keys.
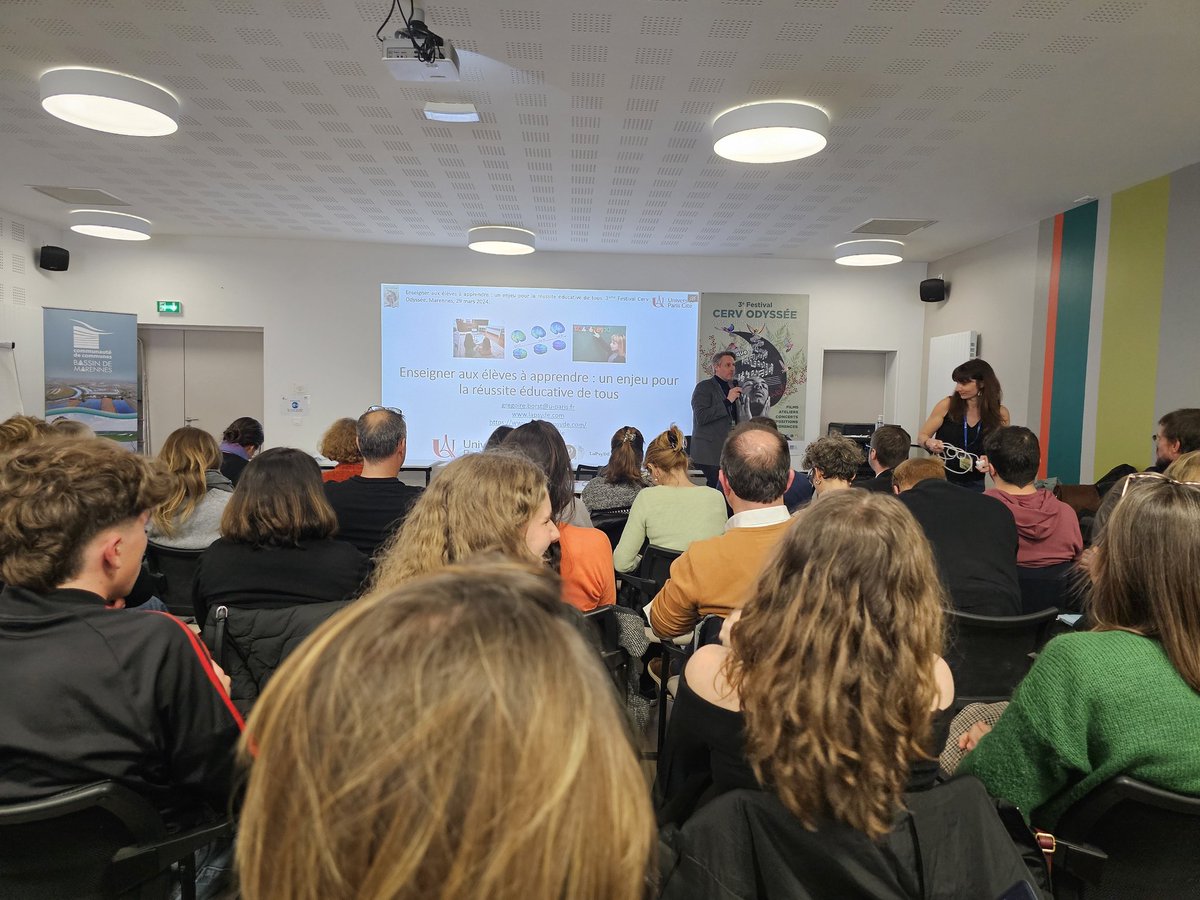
[
  {"x": 115, "y": 226},
  {"x": 109, "y": 101},
  {"x": 502, "y": 240},
  {"x": 868, "y": 253},
  {"x": 771, "y": 131}
]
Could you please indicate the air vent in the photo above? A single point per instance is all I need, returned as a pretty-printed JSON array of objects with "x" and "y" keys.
[
  {"x": 893, "y": 226},
  {"x": 79, "y": 196}
]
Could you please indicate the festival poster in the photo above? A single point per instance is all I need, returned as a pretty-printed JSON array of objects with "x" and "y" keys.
[
  {"x": 768, "y": 335},
  {"x": 91, "y": 371}
]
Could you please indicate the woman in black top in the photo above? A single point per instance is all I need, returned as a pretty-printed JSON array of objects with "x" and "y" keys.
[
  {"x": 829, "y": 687},
  {"x": 276, "y": 544},
  {"x": 964, "y": 419}
]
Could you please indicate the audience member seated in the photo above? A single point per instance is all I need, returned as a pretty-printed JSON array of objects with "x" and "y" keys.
[
  {"x": 92, "y": 694},
  {"x": 832, "y": 463},
  {"x": 481, "y": 503},
  {"x": 340, "y": 443},
  {"x": 1124, "y": 698},
  {"x": 838, "y": 647},
  {"x": 800, "y": 491},
  {"x": 672, "y": 513},
  {"x": 466, "y": 743},
  {"x": 889, "y": 447},
  {"x": 974, "y": 538},
  {"x": 1185, "y": 468},
  {"x": 1047, "y": 529},
  {"x": 190, "y": 519},
  {"x": 70, "y": 428},
  {"x": 496, "y": 438},
  {"x": 371, "y": 506},
  {"x": 17, "y": 431},
  {"x": 1178, "y": 433},
  {"x": 239, "y": 442},
  {"x": 583, "y": 555},
  {"x": 620, "y": 480},
  {"x": 276, "y": 542},
  {"x": 716, "y": 575}
]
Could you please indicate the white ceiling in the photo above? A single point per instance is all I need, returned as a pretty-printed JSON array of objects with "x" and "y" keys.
[{"x": 985, "y": 115}]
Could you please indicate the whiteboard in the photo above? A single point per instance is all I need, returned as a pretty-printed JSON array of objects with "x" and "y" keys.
[
  {"x": 946, "y": 353},
  {"x": 10, "y": 385}
]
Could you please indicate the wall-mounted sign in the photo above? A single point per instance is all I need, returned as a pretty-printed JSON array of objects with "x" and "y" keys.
[{"x": 170, "y": 307}]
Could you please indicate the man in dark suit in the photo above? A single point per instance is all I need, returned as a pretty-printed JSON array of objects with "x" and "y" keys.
[
  {"x": 974, "y": 538},
  {"x": 889, "y": 448},
  {"x": 714, "y": 413}
]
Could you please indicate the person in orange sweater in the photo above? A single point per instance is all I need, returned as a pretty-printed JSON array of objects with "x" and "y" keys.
[{"x": 714, "y": 576}]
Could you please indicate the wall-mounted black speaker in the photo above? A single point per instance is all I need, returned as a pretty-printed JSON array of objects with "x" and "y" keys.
[
  {"x": 55, "y": 259},
  {"x": 933, "y": 290}
]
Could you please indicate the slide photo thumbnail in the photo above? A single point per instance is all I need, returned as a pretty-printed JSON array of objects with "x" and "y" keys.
[
  {"x": 477, "y": 339},
  {"x": 598, "y": 343}
]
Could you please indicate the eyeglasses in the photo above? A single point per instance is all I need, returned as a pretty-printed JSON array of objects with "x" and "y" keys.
[
  {"x": 390, "y": 409},
  {"x": 1155, "y": 476}
]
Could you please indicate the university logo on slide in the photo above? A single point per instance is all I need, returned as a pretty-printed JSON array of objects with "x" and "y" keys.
[
  {"x": 445, "y": 449},
  {"x": 85, "y": 336}
]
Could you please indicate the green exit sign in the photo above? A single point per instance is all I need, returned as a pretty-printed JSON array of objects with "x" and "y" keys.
[{"x": 170, "y": 308}]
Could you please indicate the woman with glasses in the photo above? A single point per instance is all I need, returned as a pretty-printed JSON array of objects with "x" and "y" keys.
[
  {"x": 962, "y": 420},
  {"x": 672, "y": 513},
  {"x": 1124, "y": 698},
  {"x": 832, "y": 463}
]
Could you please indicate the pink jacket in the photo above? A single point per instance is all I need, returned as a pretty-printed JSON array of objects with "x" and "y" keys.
[{"x": 1047, "y": 529}]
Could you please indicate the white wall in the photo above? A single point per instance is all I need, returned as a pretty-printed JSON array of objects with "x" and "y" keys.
[
  {"x": 318, "y": 305},
  {"x": 993, "y": 290}
]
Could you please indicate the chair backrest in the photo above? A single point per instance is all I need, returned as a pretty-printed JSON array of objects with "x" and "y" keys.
[
  {"x": 708, "y": 631},
  {"x": 608, "y": 632},
  {"x": 989, "y": 655},
  {"x": 586, "y": 473},
  {"x": 174, "y": 571},
  {"x": 656, "y": 564},
  {"x": 611, "y": 522},
  {"x": 1149, "y": 834},
  {"x": 64, "y": 845},
  {"x": 1045, "y": 587}
]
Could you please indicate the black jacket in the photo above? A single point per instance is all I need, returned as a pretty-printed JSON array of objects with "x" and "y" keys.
[
  {"x": 251, "y": 642},
  {"x": 93, "y": 693},
  {"x": 369, "y": 510},
  {"x": 949, "y": 843},
  {"x": 974, "y": 539}
]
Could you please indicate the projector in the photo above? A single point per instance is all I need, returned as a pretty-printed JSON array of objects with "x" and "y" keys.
[{"x": 405, "y": 63}]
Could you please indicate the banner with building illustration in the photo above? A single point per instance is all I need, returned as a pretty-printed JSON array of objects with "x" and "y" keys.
[
  {"x": 91, "y": 370},
  {"x": 768, "y": 335}
]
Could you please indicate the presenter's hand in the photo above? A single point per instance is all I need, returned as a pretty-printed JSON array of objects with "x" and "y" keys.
[
  {"x": 933, "y": 445},
  {"x": 733, "y": 394},
  {"x": 984, "y": 466}
]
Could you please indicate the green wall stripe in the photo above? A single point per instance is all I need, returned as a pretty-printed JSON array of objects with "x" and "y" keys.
[
  {"x": 1071, "y": 341},
  {"x": 1125, "y": 413}
]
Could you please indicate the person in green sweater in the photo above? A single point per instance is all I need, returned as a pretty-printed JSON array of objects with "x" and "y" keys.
[
  {"x": 1123, "y": 699},
  {"x": 672, "y": 513}
]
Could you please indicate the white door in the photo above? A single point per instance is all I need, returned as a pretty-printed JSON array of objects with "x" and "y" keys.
[{"x": 205, "y": 377}]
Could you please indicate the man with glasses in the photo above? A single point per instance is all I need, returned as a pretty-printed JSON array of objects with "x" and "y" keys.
[{"x": 371, "y": 506}]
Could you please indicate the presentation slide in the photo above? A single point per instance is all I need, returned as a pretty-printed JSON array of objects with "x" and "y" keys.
[{"x": 461, "y": 360}]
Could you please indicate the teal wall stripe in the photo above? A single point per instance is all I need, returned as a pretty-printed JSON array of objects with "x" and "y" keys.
[{"x": 1071, "y": 341}]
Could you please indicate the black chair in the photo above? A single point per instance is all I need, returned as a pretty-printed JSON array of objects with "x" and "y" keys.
[
  {"x": 586, "y": 473},
  {"x": 608, "y": 632},
  {"x": 611, "y": 522},
  {"x": 174, "y": 571},
  {"x": 1128, "y": 839},
  {"x": 652, "y": 573},
  {"x": 708, "y": 631},
  {"x": 1048, "y": 586},
  {"x": 96, "y": 842},
  {"x": 989, "y": 655}
]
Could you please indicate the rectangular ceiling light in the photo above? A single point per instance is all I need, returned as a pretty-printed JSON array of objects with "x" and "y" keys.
[
  {"x": 79, "y": 196},
  {"x": 451, "y": 112},
  {"x": 893, "y": 226}
]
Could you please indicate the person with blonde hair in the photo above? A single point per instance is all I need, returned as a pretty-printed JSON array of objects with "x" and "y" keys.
[
  {"x": 619, "y": 481},
  {"x": 830, "y": 688},
  {"x": 1123, "y": 698},
  {"x": 340, "y": 443},
  {"x": 832, "y": 463},
  {"x": 1185, "y": 468},
  {"x": 190, "y": 519},
  {"x": 455, "y": 737},
  {"x": 483, "y": 502},
  {"x": 674, "y": 511}
]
